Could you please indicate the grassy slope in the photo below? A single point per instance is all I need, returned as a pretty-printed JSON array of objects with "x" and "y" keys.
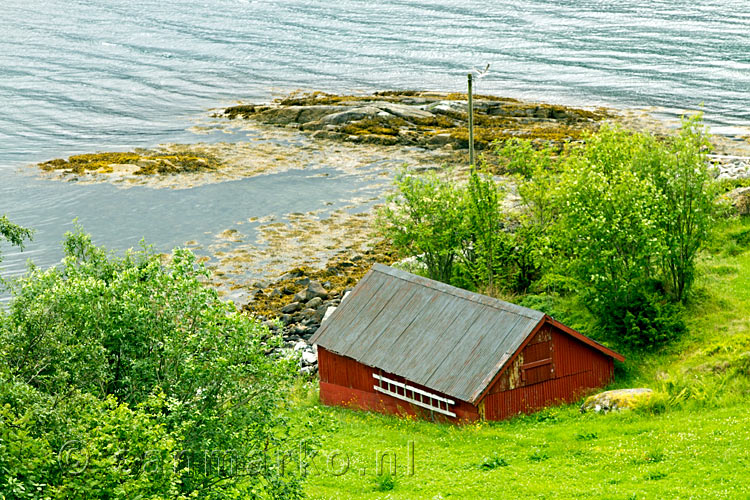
[{"x": 698, "y": 447}]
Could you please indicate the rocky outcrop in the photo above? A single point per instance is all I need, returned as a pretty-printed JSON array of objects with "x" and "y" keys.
[
  {"x": 731, "y": 167},
  {"x": 426, "y": 119}
]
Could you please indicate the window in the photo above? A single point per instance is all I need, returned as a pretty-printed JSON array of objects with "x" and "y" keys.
[{"x": 537, "y": 361}]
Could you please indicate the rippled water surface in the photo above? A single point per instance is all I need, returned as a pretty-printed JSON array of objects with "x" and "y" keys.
[{"x": 78, "y": 76}]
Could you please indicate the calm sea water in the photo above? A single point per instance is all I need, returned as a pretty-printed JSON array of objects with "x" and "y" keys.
[{"x": 77, "y": 76}]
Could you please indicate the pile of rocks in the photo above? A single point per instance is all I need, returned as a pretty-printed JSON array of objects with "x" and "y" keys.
[
  {"x": 301, "y": 317},
  {"x": 731, "y": 167}
]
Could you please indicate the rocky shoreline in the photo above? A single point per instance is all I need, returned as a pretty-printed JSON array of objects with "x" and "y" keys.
[{"x": 295, "y": 305}]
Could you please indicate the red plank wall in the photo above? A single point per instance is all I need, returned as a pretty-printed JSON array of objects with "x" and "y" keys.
[
  {"x": 575, "y": 368},
  {"x": 345, "y": 382}
]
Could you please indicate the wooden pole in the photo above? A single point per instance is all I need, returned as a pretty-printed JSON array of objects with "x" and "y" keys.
[{"x": 471, "y": 122}]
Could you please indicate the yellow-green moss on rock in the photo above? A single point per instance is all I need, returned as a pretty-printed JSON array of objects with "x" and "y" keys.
[
  {"x": 619, "y": 399},
  {"x": 147, "y": 163}
]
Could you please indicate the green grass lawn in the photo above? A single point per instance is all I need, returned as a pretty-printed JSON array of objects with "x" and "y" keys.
[
  {"x": 695, "y": 444},
  {"x": 560, "y": 454}
]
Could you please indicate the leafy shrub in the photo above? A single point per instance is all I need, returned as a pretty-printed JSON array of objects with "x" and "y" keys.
[
  {"x": 137, "y": 355},
  {"x": 488, "y": 249},
  {"x": 639, "y": 319},
  {"x": 519, "y": 156}
]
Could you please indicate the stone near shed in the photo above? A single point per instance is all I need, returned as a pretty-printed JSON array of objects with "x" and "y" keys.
[
  {"x": 616, "y": 400},
  {"x": 292, "y": 307},
  {"x": 271, "y": 325},
  {"x": 328, "y": 313},
  {"x": 320, "y": 313},
  {"x": 300, "y": 346},
  {"x": 314, "y": 303},
  {"x": 300, "y": 329},
  {"x": 308, "y": 313},
  {"x": 309, "y": 357},
  {"x": 740, "y": 200},
  {"x": 308, "y": 370},
  {"x": 315, "y": 289}
]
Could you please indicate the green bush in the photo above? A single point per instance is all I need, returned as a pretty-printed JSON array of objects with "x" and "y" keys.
[
  {"x": 487, "y": 249},
  {"x": 618, "y": 220},
  {"x": 425, "y": 219},
  {"x": 639, "y": 319},
  {"x": 146, "y": 367}
]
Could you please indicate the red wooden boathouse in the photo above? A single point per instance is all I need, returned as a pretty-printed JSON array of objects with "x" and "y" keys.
[{"x": 401, "y": 343}]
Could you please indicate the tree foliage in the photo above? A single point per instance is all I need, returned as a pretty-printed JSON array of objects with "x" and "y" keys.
[
  {"x": 425, "y": 218},
  {"x": 487, "y": 247},
  {"x": 619, "y": 219},
  {"x": 13, "y": 233},
  {"x": 166, "y": 390}
]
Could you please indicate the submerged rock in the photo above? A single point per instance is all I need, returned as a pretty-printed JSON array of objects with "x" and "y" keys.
[{"x": 616, "y": 400}]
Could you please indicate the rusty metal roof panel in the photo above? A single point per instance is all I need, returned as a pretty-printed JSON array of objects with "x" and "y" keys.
[{"x": 428, "y": 332}]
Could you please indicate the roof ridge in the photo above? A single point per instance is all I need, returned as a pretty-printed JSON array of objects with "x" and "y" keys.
[{"x": 460, "y": 293}]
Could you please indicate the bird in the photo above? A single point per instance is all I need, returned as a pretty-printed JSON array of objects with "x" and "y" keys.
[{"x": 482, "y": 73}]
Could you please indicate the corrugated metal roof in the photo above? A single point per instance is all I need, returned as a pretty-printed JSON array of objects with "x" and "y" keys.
[{"x": 433, "y": 334}]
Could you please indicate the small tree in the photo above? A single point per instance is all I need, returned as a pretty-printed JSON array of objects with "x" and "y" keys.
[
  {"x": 678, "y": 167},
  {"x": 613, "y": 232},
  {"x": 153, "y": 355},
  {"x": 487, "y": 250},
  {"x": 425, "y": 219}
]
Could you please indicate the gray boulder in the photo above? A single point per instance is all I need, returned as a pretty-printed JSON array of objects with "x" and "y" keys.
[
  {"x": 315, "y": 289},
  {"x": 350, "y": 115},
  {"x": 292, "y": 307},
  {"x": 403, "y": 111},
  {"x": 315, "y": 302}
]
